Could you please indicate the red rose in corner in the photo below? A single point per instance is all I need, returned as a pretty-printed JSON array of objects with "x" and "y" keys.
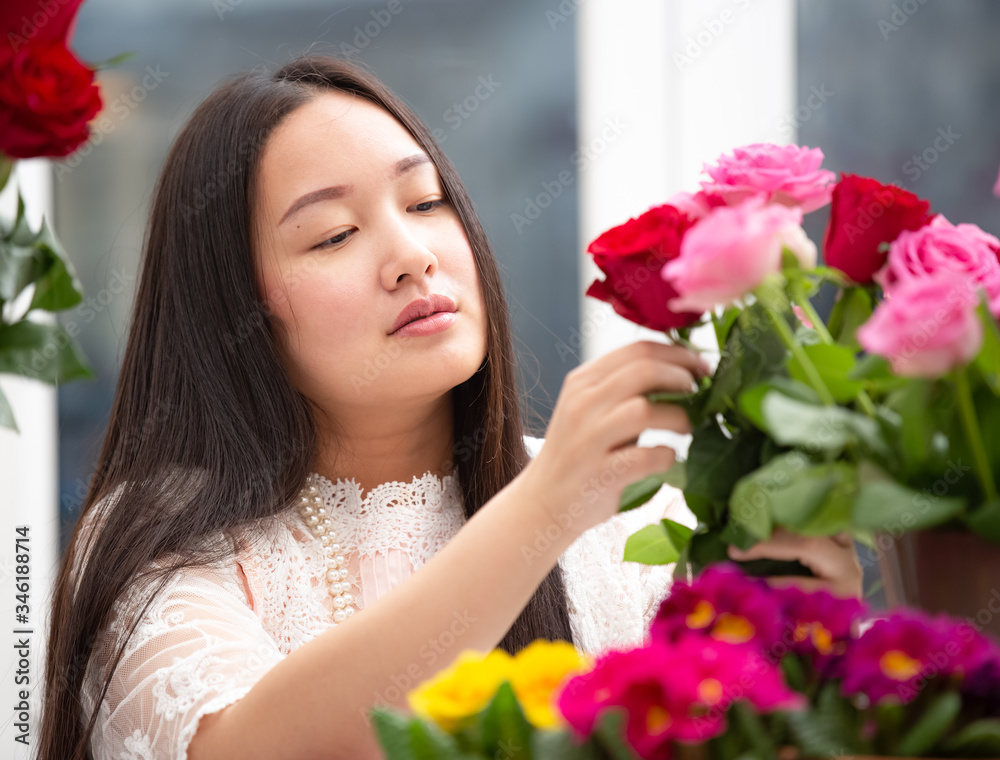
[
  {"x": 631, "y": 256},
  {"x": 47, "y": 95},
  {"x": 864, "y": 213}
]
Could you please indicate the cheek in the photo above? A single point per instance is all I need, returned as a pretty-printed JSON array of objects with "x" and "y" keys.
[{"x": 321, "y": 312}]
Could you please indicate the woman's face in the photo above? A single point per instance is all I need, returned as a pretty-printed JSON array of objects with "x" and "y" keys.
[{"x": 354, "y": 227}]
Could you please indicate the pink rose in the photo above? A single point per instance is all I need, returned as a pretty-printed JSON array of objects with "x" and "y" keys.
[
  {"x": 996, "y": 187},
  {"x": 943, "y": 247},
  {"x": 926, "y": 326},
  {"x": 785, "y": 174},
  {"x": 730, "y": 252},
  {"x": 695, "y": 205}
]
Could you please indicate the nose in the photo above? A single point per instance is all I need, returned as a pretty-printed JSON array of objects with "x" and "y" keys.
[{"x": 407, "y": 254}]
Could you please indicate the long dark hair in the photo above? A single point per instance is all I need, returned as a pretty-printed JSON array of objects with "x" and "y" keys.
[{"x": 206, "y": 431}]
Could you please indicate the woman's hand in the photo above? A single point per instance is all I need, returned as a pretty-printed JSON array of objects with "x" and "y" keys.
[
  {"x": 832, "y": 559},
  {"x": 591, "y": 453}
]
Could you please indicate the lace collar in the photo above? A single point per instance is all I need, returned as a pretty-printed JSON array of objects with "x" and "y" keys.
[{"x": 423, "y": 489}]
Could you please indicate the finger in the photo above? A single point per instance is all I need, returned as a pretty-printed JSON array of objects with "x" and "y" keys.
[
  {"x": 628, "y": 420},
  {"x": 640, "y": 378},
  {"x": 631, "y": 463},
  {"x": 823, "y": 556},
  {"x": 596, "y": 369},
  {"x": 808, "y": 585}
]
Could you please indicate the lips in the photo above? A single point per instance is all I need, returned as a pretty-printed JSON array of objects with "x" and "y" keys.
[{"x": 423, "y": 307}]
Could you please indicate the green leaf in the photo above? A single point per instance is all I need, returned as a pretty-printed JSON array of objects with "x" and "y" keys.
[
  {"x": 833, "y": 364},
  {"x": 851, "y": 310},
  {"x": 724, "y": 324},
  {"x": 115, "y": 61},
  {"x": 752, "y": 728},
  {"x": 657, "y": 544},
  {"x": 829, "y": 428},
  {"x": 790, "y": 264},
  {"x": 563, "y": 745},
  {"x": 638, "y": 493},
  {"x": 881, "y": 504},
  {"x": 6, "y": 168},
  {"x": 430, "y": 742},
  {"x": 7, "y": 414},
  {"x": 931, "y": 726},
  {"x": 978, "y": 739},
  {"x": 829, "y": 729},
  {"x": 985, "y": 520},
  {"x": 833, "y": 275},
  {"x": 609, "y": 732},
  {"x": 793, "y": 492},
  {"x": 393, "y": 731},
  {"x": 43, "y": 352},
  {"x": 715, "y": 462},
  {"x": 505, "y": 731},
  {"x": 751, "y": 400},
  {"x": 988, "y": 359},
  {"x": 19, "y": 267},
  {"x": 911, "y": 403}
]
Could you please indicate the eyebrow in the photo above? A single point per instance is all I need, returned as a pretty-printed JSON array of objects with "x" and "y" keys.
[{"x": 339, "y": 191}]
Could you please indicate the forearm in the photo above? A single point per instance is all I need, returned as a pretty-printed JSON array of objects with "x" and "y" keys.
[{"x": 314, "y": 703}]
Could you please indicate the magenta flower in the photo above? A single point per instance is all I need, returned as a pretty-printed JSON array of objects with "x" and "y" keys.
[
  {"x": 982, "y": 685},
  {"x": 724, "y": 604},
  {"x": 785, "y": 174},
  {"x": 898, "y": 655},
  {"x": 673, "y": 691},
  {"x": 818, "y": 625},
  {"x": 996, "y": 187}
]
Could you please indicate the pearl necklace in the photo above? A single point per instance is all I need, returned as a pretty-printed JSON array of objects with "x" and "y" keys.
[{"x": 314, "y": 514}]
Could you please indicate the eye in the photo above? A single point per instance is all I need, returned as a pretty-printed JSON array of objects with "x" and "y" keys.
[
  {"x": 335, "y": 240},
  {"x": 430, "y": 204}
]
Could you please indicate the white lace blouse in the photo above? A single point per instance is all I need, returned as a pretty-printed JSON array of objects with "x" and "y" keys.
[{"x": 214, "y": 631}]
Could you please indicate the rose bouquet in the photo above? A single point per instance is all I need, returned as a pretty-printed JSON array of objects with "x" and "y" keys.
[
  {"x": 47, "y": 99},
  {"x": 821, "y": 427},
  {"x": 730, "y": 668}
]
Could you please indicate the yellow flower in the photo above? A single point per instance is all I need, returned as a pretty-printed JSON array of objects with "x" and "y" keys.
[
  {"x": 461, "y": 690},
  {"x": 538, "y": 671}
]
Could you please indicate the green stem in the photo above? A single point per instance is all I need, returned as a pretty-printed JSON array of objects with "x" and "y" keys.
[
  {"x": 6, "y": 169},
  {"x": 799, "y": 294},
  {"x": 815, "y": 380},
  {"x": 971, "y": 425}
]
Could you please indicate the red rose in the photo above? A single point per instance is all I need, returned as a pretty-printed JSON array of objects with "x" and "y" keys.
[
  {"x": 631, "y": 256},
  {"x": 23, "y": 21},
  {"x": 864, "y": 213},
  {"x": 46, "y": 99}
]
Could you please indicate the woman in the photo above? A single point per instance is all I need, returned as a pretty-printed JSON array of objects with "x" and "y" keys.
[{"x": 283, "y": 359}]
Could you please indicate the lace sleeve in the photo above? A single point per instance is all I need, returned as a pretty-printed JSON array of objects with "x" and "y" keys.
[
  {"x": 198, "y": 649},
  {"x": 612, "y": 602}
]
